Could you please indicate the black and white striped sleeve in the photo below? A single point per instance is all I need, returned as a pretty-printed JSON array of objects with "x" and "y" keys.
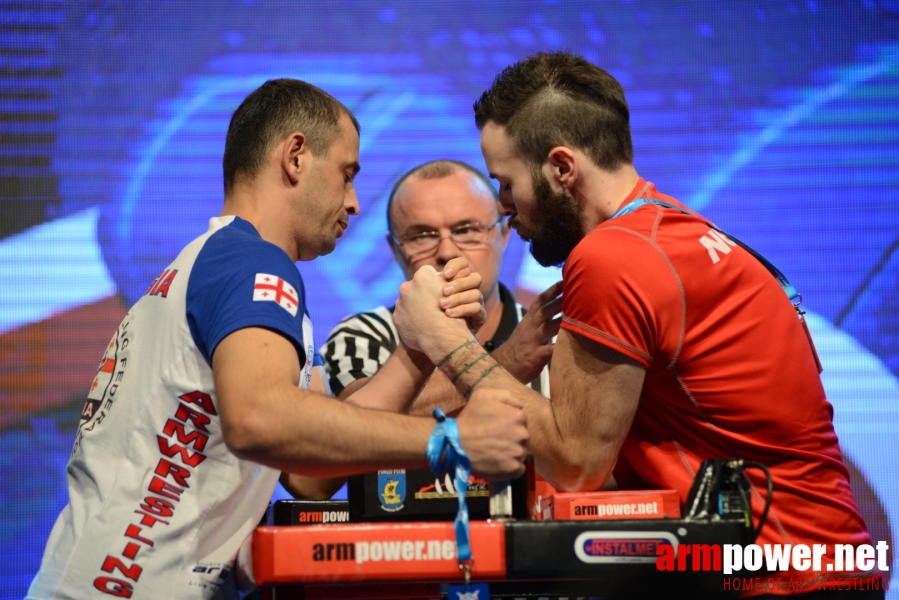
[{"x": 359, "y": 346}]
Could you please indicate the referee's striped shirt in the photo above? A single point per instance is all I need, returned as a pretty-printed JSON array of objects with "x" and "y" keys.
[{"x": 361, "y": 343}]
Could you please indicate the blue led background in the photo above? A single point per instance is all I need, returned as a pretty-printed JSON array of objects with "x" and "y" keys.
[{"x": 778, "y": 119}]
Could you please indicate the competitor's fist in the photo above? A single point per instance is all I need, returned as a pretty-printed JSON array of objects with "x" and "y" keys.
[{"x": 494, "y": 434}]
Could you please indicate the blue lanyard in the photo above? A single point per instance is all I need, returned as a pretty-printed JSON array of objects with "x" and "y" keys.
[
  {"x": 788, "y": 288},
  {"x": 445, "y": 441}
]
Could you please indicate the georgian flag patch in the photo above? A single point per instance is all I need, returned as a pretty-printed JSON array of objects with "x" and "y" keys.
[{"x": 271, "y": 288}]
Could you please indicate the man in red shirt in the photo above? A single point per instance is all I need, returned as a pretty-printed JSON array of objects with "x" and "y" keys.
[{"x": 677, "y": 344}]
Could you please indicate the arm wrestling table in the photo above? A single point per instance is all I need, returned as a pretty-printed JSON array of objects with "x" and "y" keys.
[{"x": 519, "y": 559}]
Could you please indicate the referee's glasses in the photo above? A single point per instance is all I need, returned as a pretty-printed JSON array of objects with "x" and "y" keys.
[{"x": 425, "y": 244}]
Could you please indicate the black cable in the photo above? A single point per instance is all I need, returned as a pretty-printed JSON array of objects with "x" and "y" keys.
[{"x": 764, "y": 516}]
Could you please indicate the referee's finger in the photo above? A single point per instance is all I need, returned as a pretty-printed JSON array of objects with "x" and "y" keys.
[
  {"x": 464, "y": 311},
  {"x": 461, "y": 284},
  {"x": 455, "y": 266},
  {"x": 464, "y": 297}
]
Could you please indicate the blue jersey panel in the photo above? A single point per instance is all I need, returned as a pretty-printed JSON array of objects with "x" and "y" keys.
[{"x": 240, "y": 280}]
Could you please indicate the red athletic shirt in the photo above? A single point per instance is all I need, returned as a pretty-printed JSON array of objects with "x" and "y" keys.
[{"x": 729, "y": 370}]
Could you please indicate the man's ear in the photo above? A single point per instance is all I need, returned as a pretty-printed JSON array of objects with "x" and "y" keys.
[
  {"x": 561, "y": 168},
  {"x": 398, "y": 256},
  {"x": 393, "y": 249},
  {"x": 295, "y": 154}
]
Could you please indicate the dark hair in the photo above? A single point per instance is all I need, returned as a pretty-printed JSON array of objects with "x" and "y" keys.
[
  {"x": 558, "y": 98},
  {"x": 275, "y": 109},
  {"x": 436, "y": 169}
]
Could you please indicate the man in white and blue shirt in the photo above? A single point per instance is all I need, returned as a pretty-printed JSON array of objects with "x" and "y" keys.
[{"x": 201, "y": 398}]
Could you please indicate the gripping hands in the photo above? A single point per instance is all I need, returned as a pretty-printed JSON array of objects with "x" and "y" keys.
[
  {"x": 437, "y": 312},
  {"x": 435, "y": 306}
]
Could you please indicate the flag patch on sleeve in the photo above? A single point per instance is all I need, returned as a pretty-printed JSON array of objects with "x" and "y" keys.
[{"x": 271, "y": 288}]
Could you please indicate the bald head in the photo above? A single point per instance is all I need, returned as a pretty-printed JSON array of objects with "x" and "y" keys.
[{"x": 438, "y": 169}]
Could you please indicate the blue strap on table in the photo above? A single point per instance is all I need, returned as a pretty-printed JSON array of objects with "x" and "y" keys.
[{"x": 444, "y": 442}]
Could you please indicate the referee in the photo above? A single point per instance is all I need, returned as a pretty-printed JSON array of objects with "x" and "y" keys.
[{"x": 436, "y": 212}]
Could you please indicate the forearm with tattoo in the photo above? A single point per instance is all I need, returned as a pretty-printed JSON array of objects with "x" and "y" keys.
[
  {"x": 466, "y": 367},
  {"x": 462, "y": 346},
  {"x": 483, "y": 375},
  {"x": 458, "y": 365}
]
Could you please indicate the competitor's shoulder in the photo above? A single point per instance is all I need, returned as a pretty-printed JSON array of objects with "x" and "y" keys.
[
  {"x": 240, "y": 280},
  {"x": 240, "y": 236},
  {"x": 613, "y": 240},
  {"x": 607, "y": 255},
  {"x": 238, "y": 248}
]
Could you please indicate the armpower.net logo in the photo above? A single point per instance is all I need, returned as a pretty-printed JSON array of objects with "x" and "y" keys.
[
  {"x": 388, "y": 551},
  {"x": 839, "y": 567}
]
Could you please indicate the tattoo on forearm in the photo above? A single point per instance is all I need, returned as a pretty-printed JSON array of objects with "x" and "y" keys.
[
  {"x": 484, "y": 374},
  {"x": 468, "y": 366},
  {"x": 446, "y": 358}
]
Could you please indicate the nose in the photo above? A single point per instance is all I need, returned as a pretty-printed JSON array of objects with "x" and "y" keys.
[
  {"x": 447, "y": 250},
  {"x": 352, "y": 202}
]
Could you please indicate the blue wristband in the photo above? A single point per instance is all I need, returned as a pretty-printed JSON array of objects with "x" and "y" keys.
[{"x": 444, "y": 441}]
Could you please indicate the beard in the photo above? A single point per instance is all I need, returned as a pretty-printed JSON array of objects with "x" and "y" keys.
[{"x": 557, "y": 229}]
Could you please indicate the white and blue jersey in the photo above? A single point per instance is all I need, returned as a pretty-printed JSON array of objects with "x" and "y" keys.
[{"x": 158, "y": 505}]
